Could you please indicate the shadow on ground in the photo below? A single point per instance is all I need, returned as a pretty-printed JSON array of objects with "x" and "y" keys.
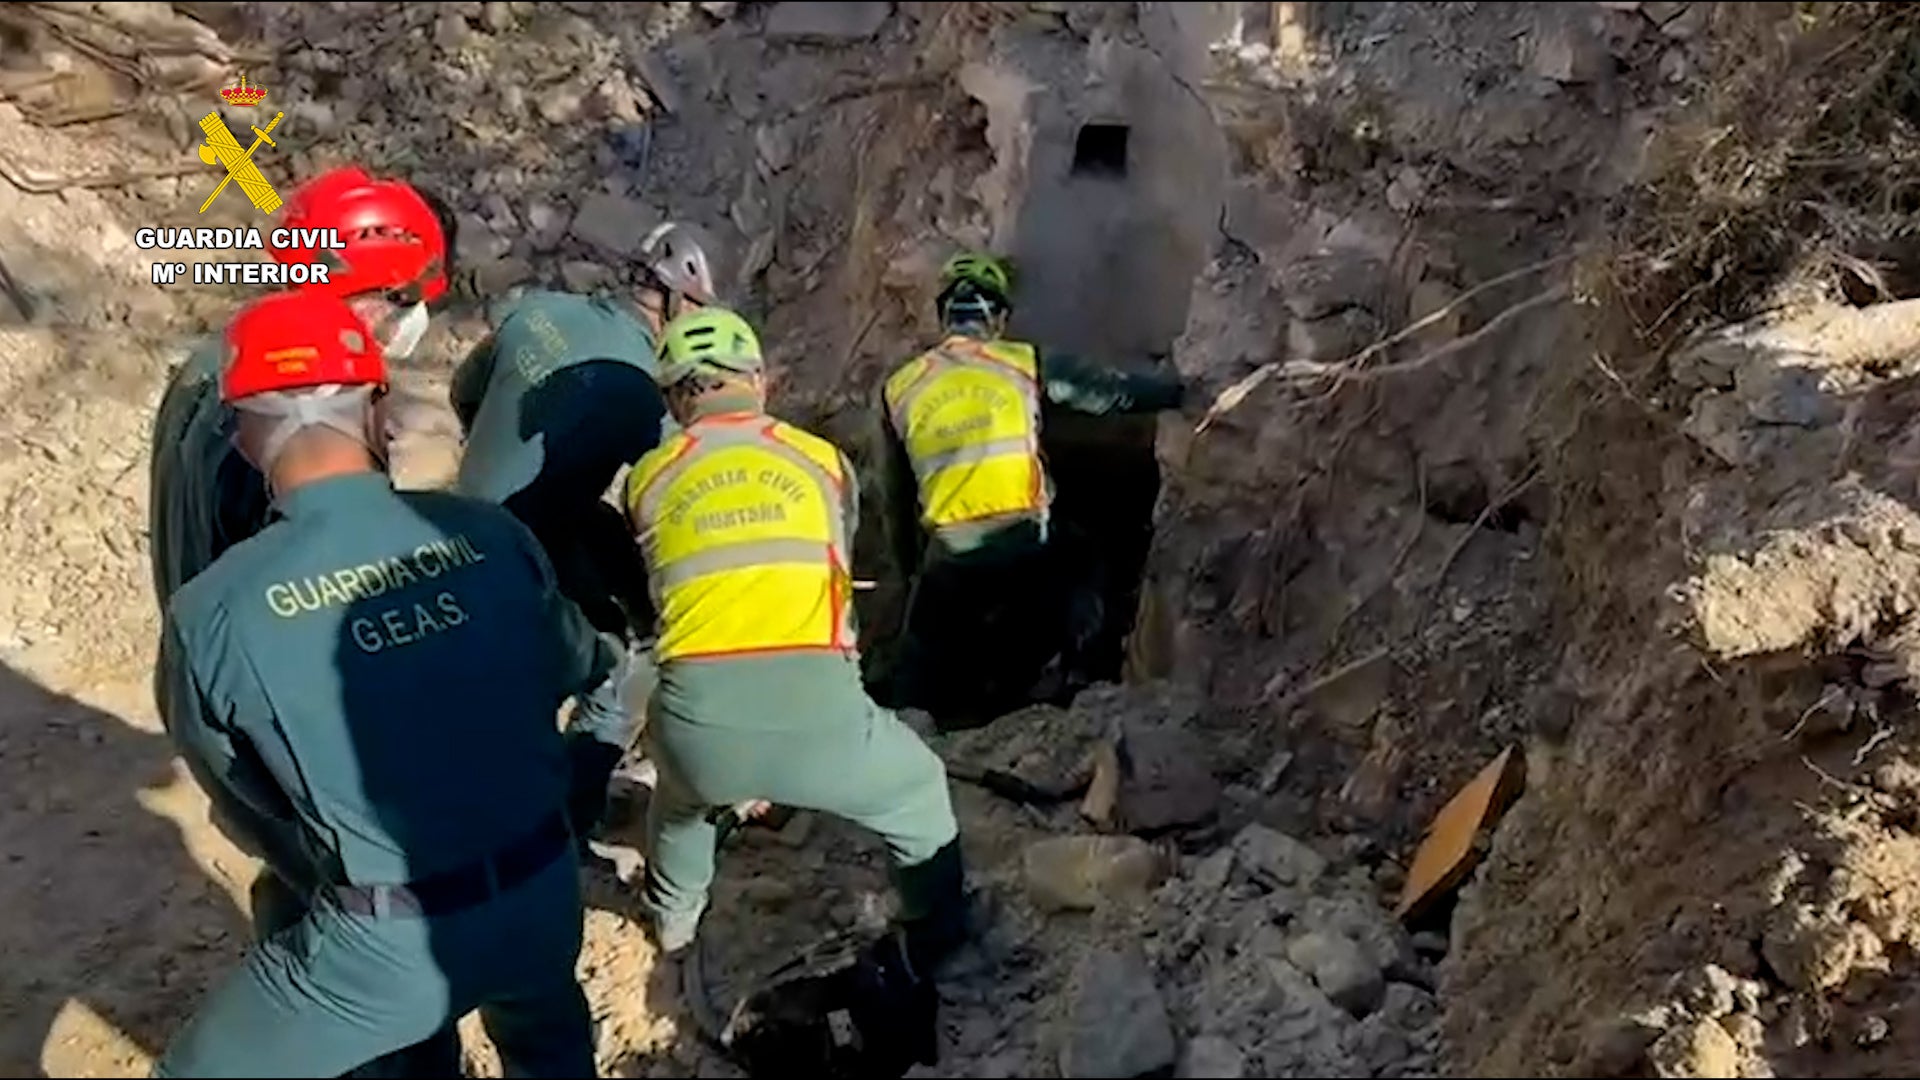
[{"x": 123, "y": 927}]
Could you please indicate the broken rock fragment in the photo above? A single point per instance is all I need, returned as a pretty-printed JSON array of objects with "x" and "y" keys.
[
  {"x": 1118, "y": 1025},
  {"x": 1274, "y": 858},
  {"x": 1081, "y": 872},
  {"x": 1702, "y": 1048},
  {"x": 547, "y": 224},
  {"x": 581, "y": 275},
  {"x": 1810, "y": 952},
  {"x": 841, "y": 22},
  {"x": 615, "y": 224},
  {"x": 1340, "y": 968},
  {"x": 1214, "y": 1057},
  {"x": 1164, "y": 779}
]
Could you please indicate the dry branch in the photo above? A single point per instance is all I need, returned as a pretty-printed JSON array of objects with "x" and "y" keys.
[
  {"x": 1232, "y": 396},
  {"x": 1346, "y": 373},
  {"x": 1302, "y": 694},
  {"x": 48, "y": 183},
  {"x": 1493, "y": 507}
]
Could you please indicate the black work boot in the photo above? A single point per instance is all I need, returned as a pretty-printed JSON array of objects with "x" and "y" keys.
[{"x": 937, "y": 888}]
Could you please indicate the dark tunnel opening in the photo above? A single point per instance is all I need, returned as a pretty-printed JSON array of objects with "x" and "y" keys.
[
  {"x": 1101, "y": 150},
  {"x": 1111, "y": 206},
  {"x": 1106, "y": 483}
]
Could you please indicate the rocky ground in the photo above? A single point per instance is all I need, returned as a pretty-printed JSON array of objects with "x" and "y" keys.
[{"x": 1559, "y": 362}]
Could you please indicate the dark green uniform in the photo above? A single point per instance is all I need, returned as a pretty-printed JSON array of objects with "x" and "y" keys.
[
  {"x": 553, "y": 404},
  {"x": 989, "y": 608},
  {"x": 373, "y": 680},
  {"x": 203, "y": 496}
]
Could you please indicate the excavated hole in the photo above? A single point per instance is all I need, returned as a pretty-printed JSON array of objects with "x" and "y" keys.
[
  {"x": 1459, "y": 495},
  {"x": 1111, "y": 219},
  {"x": 1107, "y": 481}
]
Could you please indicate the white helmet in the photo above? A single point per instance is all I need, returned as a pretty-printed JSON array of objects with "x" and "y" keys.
[{"x": 675, "y": 258}]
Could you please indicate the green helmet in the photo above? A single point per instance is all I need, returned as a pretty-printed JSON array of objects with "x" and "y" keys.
[
  {"x": 707, "y": 339},
  {"x": 980, "y": 270}
]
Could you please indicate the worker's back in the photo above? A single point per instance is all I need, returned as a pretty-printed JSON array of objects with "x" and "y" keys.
[
  {"x": 203, "y": 497},
  {"x": 745, "y": 524},
  {"x": 557, "y": 401},
  {"x": 967, "y": 413},
  {"x": 394, "y": 659}
]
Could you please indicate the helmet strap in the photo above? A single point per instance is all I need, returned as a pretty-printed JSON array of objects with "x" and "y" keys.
[
  {"x": 401, "y": 334},
  {"x": 662, "y": 303},
  {"x": 965, "y": 311},
  {"x": 347, "y": 410}
]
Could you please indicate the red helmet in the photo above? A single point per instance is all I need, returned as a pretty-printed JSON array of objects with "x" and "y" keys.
[
  {"x": 393, "y": 238},
  {"x": 294, "y": 340}
]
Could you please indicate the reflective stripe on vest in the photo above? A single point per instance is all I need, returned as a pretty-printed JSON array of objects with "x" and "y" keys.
[
  {"x": 969, "y": 414},
  {"x": 741, "y": 524}
]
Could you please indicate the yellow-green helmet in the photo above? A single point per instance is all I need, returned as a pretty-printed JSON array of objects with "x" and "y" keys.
[
  {"x": 980, "y": 270},
  {"x": 707, "y": 339}
]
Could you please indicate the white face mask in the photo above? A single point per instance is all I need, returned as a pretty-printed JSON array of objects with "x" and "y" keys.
[
  {"x": 348, "y": 410},
  {"x": 407, "y": 331}
]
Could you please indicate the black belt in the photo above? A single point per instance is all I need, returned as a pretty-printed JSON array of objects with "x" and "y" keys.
[{"x": 464, "y": 886}]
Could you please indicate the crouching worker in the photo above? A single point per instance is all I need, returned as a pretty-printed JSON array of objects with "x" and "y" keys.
[
  {"x": 552, "y": 405},
  {"x": 745, "y": 523},
  {"x": 374, "y": 676}
]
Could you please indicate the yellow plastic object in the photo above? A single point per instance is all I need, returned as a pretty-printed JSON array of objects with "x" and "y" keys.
[{"x": 1447, "y": 855}]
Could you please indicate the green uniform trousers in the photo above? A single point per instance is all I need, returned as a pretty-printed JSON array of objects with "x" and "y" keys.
[
  {"x": 278, "y": 906},
  {"x": 798, "y": 731},
  {"x": 336, "y": 989}
]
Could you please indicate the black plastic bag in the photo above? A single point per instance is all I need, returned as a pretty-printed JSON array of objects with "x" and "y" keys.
[{"x": 870, "y": 1017}]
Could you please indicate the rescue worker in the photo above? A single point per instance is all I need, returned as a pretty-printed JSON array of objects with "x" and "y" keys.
[
  {"x": 745, "y": 523},
  {"x": 375, "y": 675},
  {"x": 204, "y": 497},
  {"x": 552, "y": 405},
  {"x": 968, "y": 500}
]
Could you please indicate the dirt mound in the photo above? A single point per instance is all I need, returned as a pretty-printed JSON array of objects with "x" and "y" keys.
[{"x": 1715, "y": 846}]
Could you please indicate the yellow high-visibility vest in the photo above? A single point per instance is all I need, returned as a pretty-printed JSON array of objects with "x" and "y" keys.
[
  {"x": 740, "y": 520},
  {"x": 969, "y": 414}
]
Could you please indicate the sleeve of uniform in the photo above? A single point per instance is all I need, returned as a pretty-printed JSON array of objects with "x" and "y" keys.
[
  {"x": 247, "y": 805},
  {"x": 470, "y": 380},
  {"x": 1077, "y": 384},
  {"x": 899, "y": 499},
  {"x": 586, "y": 658}
]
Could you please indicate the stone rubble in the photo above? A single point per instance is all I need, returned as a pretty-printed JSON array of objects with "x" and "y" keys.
[
  {"x": 1284, "y": 967},
  {"x": 1270, "y": 956},
  {"x": 827, "y": 21},
  {"x": 1164, "y": 781},
  {"x": 1118, "y": 1025}
]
